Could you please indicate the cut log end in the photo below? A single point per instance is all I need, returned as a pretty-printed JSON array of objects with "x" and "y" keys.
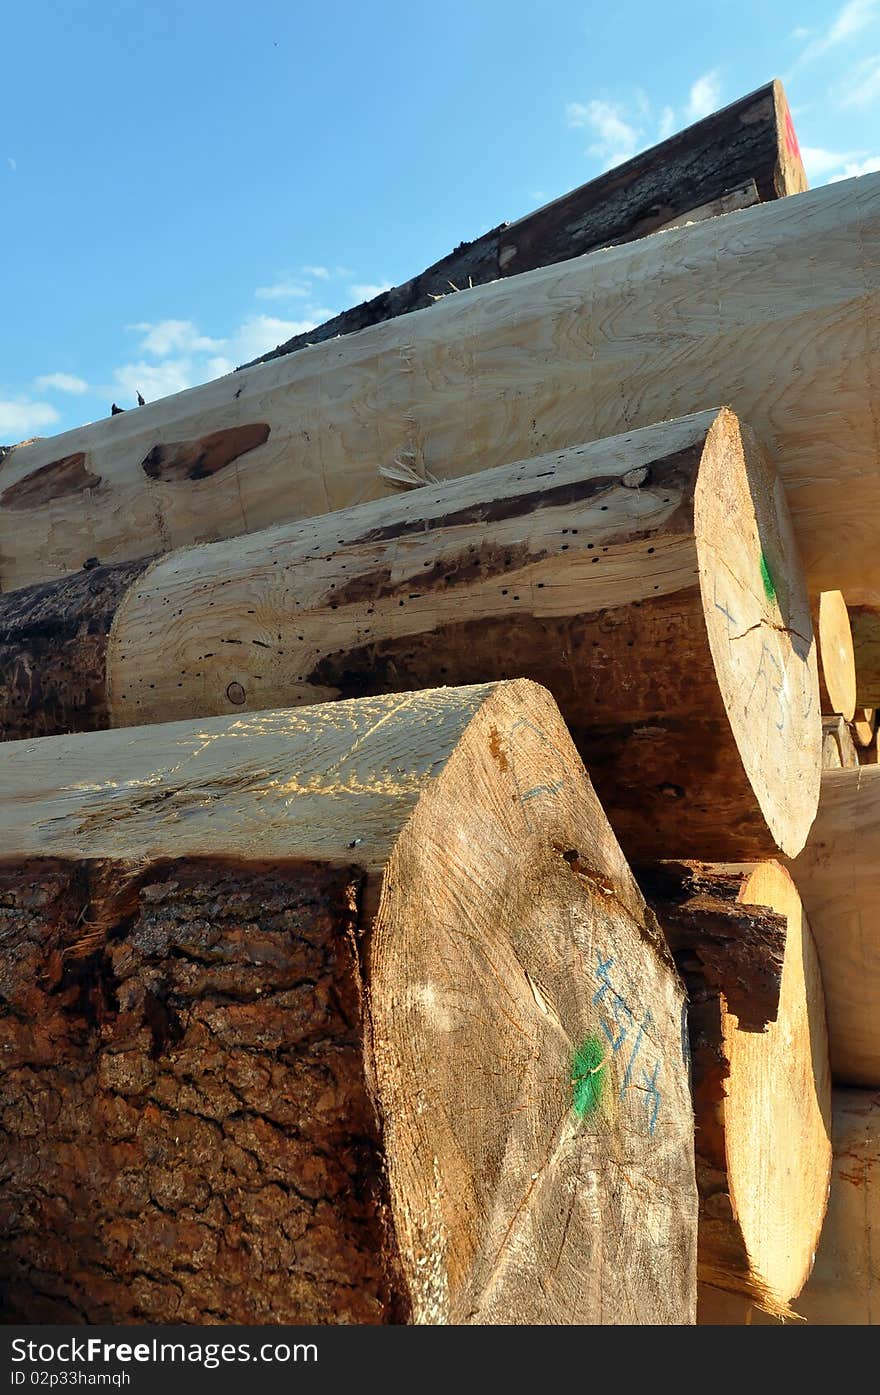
[
  {"x": 843, "y": 1287},
  {"x": 367, "y": 999},
  {"x": 763, "y": 1109},
  {"x": 760, "y": 630},
  {"x": 837, "y": 667}
]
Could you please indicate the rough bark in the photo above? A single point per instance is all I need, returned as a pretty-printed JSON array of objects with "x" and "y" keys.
[
  {"x": 761, "y": 1085},
  {"x": 189, "y": 1135},
  {"x": 53, "y": 656},
  {"x": 771, "y": 310},
  {"x": 650, "y": 581},
  {"x": 731, "y": 946},
  {"x": 746, "y": 153},
  {"x": 353, "y": 1014}
]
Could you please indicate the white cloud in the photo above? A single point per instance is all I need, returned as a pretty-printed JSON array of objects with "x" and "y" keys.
[
  {"x": 800, "y": 34},
  {"x": 667, "y": 123},
  {"x": 367, "y": 291},
  {"x": 852, "y": 168},
  {"x": 259, "y": 333},
  {"x": 819, "y": 162},
  {"x": 11, "y": 163},
  {"x": 615, "y": 137},
  {"x": 863, "y": 84},
  {"x": 320, "y": 273},
  {"x": 849, "y": 21},
  {"x": 285, "y": 289},
  {"x": 61, "y": 382},
  {"x": 705, "y": 96},
  {"x": 154, "y": 379},
  {"x": 174, "y": 336},
  {"x": 24, "y": 418}
]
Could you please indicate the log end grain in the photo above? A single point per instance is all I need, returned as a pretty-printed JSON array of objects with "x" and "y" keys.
[
  {"x": 837, "y": 655},
  {"x": 760, "y": 629},
  {"x": 763, "y": 1104},
  {"x": 526, "y": 1028}
]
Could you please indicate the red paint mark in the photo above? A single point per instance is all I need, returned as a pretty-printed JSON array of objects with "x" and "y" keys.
[{"x": 791, "y": 140}]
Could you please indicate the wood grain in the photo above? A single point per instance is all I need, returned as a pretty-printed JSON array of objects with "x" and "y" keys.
[
  {"x": 838, "y": 876},
  {"x": 504, "y": 1015},
  {"x": 772, "y": 310},
  {"x": 746, "y": 153},
  {"x": 651, "y": 581}
]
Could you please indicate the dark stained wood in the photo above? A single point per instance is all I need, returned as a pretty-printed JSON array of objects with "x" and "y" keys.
[
  {"x": 719, "y": 943},
  {"x": 753, "y": 139},
  {"x": 53, "y": 652}
]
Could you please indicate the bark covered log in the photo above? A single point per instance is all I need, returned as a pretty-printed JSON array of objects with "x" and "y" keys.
[
  {"x": 651, "y": 581},
  {"x": 347, "y": 1015},
  {"x": 771, "y": 309},
  {"x": 761, "y": 1083},
  {"x": 746, "y": 153}
]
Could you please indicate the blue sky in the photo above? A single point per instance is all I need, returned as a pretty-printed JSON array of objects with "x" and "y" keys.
[{"x": 184, "y": 185}]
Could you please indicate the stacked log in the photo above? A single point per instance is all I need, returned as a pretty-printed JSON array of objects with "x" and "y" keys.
[
  {"x": 328, "y": 989},
  {"x": 843, "y": 1287},
  {"x": 746, "y": 153},
  {"x": 761, "y": 1081},
  {"x": 838, "y": 876},
  {"x": 651, "y": 580},
  {"x": 837, "y": 666},
  {"x": 348, "y": 1014},
  {"x": 770, "y": 309}
]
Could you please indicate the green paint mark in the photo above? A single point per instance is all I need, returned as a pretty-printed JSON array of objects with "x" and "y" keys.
[
  {"x": 769, "y": 588},
  {"x": 588, "y": 1076}
]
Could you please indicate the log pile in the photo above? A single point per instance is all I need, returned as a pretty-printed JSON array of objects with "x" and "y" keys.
[{"x": 437, "y": 878}]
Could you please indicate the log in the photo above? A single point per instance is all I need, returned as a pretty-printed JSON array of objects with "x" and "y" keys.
[
  {"x": 650, "y": 581},
  {"x": 761, "y": 1083},
  {"x": 837, "y": 668},
  {"x": 746, "y": 153},
  {"x": 864, "y": 727},
  {"x": 771, "y": 309},
  {"x": 351, "y": 1014},
  {"x": 865, "y": 623},
  {"x": 838, "y": 876},
  {"x": 838, "y": 747},
  {"x": 844, "y": 1287}
]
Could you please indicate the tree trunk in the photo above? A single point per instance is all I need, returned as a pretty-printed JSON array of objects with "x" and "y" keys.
[
  {"x": 650, "y": 581},
  {"x": 746, "y": 153},
  {"x": 838, "y": 876},
  {"x": 353, "y": 1014},
  {"x": 837, "y": 669},
  {"x": 844, "y": 1287},
  {"x": 838, "y": 748},
  {"x": 761, "y": 1084},
  {"x": 771, "y": 309}
]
